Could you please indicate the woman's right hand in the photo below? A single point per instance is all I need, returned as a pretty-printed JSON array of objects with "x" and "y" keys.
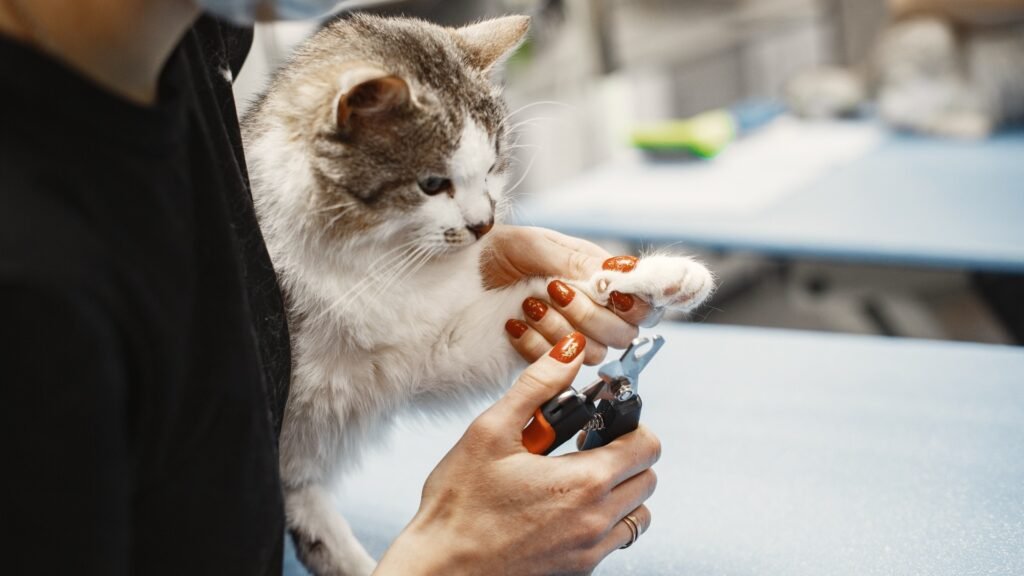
[{"x": 492, "y": 507}]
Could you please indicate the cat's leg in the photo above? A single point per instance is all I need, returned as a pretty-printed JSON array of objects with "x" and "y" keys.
[
  {"x": 324, "y": 542},
  {"x": 320, "y": 439},
  {"x": 472, "y": 355}
]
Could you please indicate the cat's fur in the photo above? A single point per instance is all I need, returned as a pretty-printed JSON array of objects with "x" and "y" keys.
[
  {"x": 928, "y": 76},
  {"x": 387, "y": 307}
]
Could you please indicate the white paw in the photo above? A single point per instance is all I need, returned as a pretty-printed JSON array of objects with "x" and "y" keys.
[{"x": 674, "y": 282}]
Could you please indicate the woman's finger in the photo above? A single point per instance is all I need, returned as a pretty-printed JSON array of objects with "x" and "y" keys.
[
  {"x": 519, "y": 252},
  {"x": 630, "y": 307},
  {"x": 541, "y": 381},
  {"x": 621, "y": 533},
  {"x": 590, "y": 318},
  {"x": 552, "y": 325},
  {"x": 624, "y": 457},
  {"x": 632, "y": 493},
  {"x": 529, "y": 343}
]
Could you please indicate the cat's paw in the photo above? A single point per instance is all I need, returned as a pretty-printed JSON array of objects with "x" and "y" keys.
[{"x": 673, "y": 282}]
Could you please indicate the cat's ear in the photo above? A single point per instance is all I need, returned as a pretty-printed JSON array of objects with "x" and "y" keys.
[
  {"x": 490, "y": 42},
  {"x": 369, "y": 91}
]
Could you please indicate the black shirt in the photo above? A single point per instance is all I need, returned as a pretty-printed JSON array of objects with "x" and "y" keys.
[{"x": 143, "y": 344}]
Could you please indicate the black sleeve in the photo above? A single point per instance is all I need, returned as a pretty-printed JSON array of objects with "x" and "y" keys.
[
  {"x": 224, "y": 45},
  {"x": 69, "y": 477}
]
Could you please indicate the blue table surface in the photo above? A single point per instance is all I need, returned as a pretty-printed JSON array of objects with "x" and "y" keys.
[
  {"x": 794, "y": 453},
  {"x": 911, "y": 200}
]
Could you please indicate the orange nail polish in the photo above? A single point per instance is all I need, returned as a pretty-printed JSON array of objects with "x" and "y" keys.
[
  {"x": 535, "y": 309},
  {"x": 516, "y": 328},
  {"x": 622, "y": 302},
  {"x": 620, "y": 264},
  {"x": 569, "y": 348},
  {"x": 561, "y": 293}
]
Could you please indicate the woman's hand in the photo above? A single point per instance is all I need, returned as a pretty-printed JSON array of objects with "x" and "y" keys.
[
  {"x": 519, "y": 252},
  {"x": 491, "y": 507}
]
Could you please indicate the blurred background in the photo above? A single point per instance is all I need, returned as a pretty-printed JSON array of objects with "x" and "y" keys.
[{"x": 856, "y": 225}]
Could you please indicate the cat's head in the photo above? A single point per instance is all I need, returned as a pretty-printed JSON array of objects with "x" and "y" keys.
[{"x": 402, "y": 128}]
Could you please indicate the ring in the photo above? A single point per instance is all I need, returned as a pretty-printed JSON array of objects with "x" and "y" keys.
[{"x": 634, "y": 531}]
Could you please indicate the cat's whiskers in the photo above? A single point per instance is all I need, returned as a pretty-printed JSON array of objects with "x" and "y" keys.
[
  {"x": 345, "y": 208},
  {"x": 334, "y": 219},
  {"x": 526, "y": 172},
  {"x": 412, "y": 263},
  {"x": 422, "y": 255},
  {"x": 390, "y": 261},
  {"x": 334, "y": 207},
  {"x": 386, "y": 280},
  {"x": 522, "y": 109},
  {"x": 528, "y": 122},
  {"x": 395, "y": 271}
]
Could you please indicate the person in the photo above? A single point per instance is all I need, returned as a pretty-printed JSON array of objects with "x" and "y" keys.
[{"x": 144, "y": 342}]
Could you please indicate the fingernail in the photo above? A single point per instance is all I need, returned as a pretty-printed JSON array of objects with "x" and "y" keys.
[
  {"x": 622, "y": 302},
  {"x": 620, "y": 264},
  {"x": 568, "y": 348},
  {"x": 561, "y": 293},
  {"x": 516, "y": 328},
  {"x": 535, "y": 309}
]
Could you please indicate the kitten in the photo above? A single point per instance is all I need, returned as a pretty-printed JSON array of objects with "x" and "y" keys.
[
  {"x": 928, "y": 77},
  {"x": 378, "y": 157}
]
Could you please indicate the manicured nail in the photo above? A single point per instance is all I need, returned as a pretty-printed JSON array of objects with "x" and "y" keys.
[
  {"x": 561, "y": 293},
  {"x": 535, "y": 309},
  {"x": 620, "y": 264},
  {"x": 622, "y": 302},
  {"x": 569, "y": 348},
  {"x": 516, "y": 328}
]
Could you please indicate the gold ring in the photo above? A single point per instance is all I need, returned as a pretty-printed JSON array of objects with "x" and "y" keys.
[{"x": 634, "y": 530}]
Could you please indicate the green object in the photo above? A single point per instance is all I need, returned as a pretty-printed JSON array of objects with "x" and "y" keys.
[{"x": 704, "y": 135}]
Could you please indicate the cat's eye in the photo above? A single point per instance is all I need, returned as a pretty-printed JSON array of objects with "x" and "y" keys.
[{"x": 435, "y": 185}]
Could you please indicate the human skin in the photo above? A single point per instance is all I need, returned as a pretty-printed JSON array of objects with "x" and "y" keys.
[
  {"x": 571, "y": 504},
  {"x": 517, "y": 252},
  {"x": 489, "y": 506},
  {"x": 119, "y": 44}
]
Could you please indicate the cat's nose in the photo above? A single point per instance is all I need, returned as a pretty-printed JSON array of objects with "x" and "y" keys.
[{"x": 481, "y": 228}]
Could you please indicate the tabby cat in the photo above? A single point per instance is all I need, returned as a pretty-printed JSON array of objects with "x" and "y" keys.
[{"x": 378, "y": 159}]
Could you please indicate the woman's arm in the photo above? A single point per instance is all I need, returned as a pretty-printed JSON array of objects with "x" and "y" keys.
[{"x": 965, "y": 11}]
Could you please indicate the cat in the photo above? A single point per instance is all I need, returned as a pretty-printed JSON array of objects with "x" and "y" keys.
[
  {"x": 378, "y": 157},
  {"x": 929, "y": 77}
]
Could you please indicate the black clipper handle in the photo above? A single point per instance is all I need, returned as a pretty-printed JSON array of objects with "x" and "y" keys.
[
  {"x": 555, "y": 422},
  {"x": 619, "y": 418}
]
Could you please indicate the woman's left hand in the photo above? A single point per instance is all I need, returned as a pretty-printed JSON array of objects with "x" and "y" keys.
[{"x": 518, "y": 252}]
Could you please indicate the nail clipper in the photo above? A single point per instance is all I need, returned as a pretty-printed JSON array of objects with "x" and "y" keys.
[{"x": 617, "y": 411}]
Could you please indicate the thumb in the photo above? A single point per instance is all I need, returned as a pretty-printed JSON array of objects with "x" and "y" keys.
[
  {"x": 522, "y": 252},
  {"x": 542, "y": 380},
  {"x": 558, "y": 255}
]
